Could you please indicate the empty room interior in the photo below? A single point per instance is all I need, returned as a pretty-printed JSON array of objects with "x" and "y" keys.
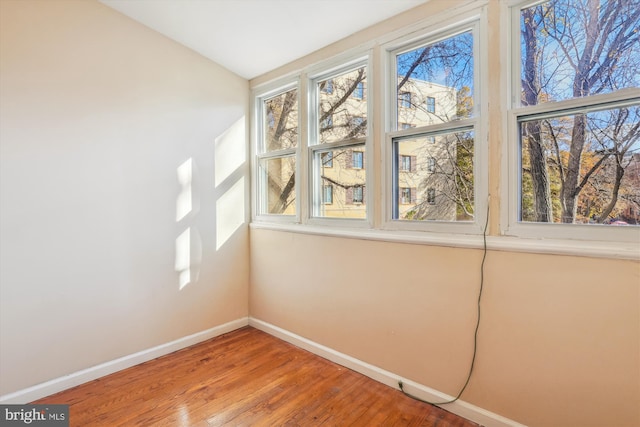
[{"x": 407, "y": 188}]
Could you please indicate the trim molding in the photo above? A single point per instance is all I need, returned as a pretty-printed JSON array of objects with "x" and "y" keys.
[
  {"x": 461, "y": 408},
  {"x": 65, "y": 382}
]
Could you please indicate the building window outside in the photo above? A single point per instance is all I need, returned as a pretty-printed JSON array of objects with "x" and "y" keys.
[
  {"x": 358, "y": 194},
  {"x": 357, "y": 122},
  {"x": 406, "y": 195},
  {"x": 358, "y": 91},
  {"x": 405, "y": 163},
  {"x": 431, "y": 164},
  {"x": 327, "y": 159},
  {"x": 405, "y": 99},
  {"x": 327, "y": 122},
  {"x": 328, "y": 194},
  {"x": 358, "y": 160},
  {"x": 431, "y": 104},
  {"x": 327, "y": 86},
  {"x": 431, "y": 196}
]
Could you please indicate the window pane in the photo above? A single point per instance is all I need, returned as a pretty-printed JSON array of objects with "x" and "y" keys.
[
  {"x": 570, "y": 49},
  {"x": 281, "y": 121},
  {"x": 278, "y": 185},
  {"x": 435, "y": 82},
  {"x": 441, "y": 176},
  {"x": 345, "y": 178},
  {"x": 582, "y": 168},
  {"x": 342, "y": 112}
]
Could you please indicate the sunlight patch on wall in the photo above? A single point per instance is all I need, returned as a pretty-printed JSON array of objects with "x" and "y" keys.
[
  {"x": 184, "y": 202},
  {"x": 188, "y": 256},
  {"x": 229, "y": 212},
  {"x": 183, "y": 257},
  {"x": 230, "y": 150}
]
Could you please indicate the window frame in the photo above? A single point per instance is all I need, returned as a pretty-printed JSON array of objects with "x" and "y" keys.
[
  {"x": 475, "y": 23},
  {"x": 510, "y": 223}
]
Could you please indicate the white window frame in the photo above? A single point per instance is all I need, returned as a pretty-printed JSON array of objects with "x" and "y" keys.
[
  {"x": 511, "y": 166},
  {"x": 259, "y": 95},
  {"x": 474, "y": 21},
  {"x": 339, "y": 65}
]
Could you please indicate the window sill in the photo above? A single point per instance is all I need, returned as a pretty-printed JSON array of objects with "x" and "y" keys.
[{"x": 593, "y": 249}]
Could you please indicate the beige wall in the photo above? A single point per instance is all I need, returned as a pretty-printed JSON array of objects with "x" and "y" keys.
[
  {"x": 97, "y": 115},
  {"x": 559, "y": 343}
]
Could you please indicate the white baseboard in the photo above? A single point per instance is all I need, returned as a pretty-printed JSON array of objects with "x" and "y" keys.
[
  {"x": 62, "y": 383},
  {"x": 461, "y": 408}
]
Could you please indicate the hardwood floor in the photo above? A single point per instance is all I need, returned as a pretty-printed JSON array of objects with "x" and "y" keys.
[{"x": 244, "y": 378}]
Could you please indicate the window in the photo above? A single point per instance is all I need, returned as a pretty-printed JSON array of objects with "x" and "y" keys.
[
  {"x": 431, "y": 196},
  {"x": 407, "y": 195},
  {"x": 568, "y": 95},
  {"x": 405, "y": 163},
  {"x": 357, "y": 123},
  {"x": 326, "y": 123},
  {"x": 574, "y": 128},
  {"x": 357, "y": 194},
  {"x": 327, "y": 86},
  {"x": 338, "y": 143},
  {"x": 276, "y": 150},
  {"x": 327, "y": 159},
  {"x": 357, "y": 159},
  {"x": 431, "y": 104},
  {"x": 328, "y": 194},
  {"x": 271, "y": 120},
  {"x": 358, "y": 91},
  {"x": 405, "y": 99},
  {"x": 431, "y": 164},
  {"x": 442, "y": 69}
]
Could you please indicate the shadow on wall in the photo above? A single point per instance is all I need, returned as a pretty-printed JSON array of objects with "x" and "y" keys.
[{"x": 229, "y": 194}]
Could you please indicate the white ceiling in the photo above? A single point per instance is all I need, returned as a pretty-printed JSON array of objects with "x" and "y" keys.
[{"x": 251, "y": 37}]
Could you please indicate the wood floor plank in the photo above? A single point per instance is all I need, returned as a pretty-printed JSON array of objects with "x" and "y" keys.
[{"x": 244, "y": 378}]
